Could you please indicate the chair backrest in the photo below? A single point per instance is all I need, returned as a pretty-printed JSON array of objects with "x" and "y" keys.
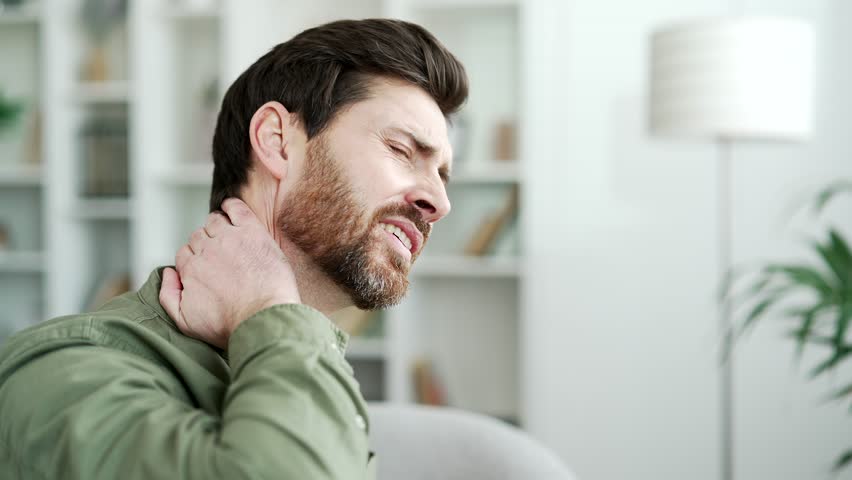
[{"x": 415, "y": 442}]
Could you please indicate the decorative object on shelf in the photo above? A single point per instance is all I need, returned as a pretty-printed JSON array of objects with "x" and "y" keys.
[
  {"x": 10, "y": 111},
  {"x": 504, "y": 141},
  {"x": 34, "y": 132},
  {"x": 816, "y": 298},
  {"x": 427, "y": 387},
  {"x": 109, "y": 287},
  {"x": 489, "y": 230},
  {"x": 100, "y": 18},
  {"x": 458, "y": 131},
  {"x": 746, "y": 79},
  {"x": 4, "y": 238},
  {"x": 104, "y": 153}
]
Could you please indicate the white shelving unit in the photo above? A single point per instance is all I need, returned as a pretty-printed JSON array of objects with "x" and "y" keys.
[
  {"x": 28, "y": 14},
  {"x": 21, "y": 262},
  {"x": 101, "y": 92},
  {"x": 21, "y": 176},
  {"x": 462, "y": 314}
]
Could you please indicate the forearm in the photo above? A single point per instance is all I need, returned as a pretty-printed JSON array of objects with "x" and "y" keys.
[
  {"x": 290, "y": 381},
  {"x": 87, "y": 412}
]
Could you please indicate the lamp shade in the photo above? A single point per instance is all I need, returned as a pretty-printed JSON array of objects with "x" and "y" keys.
[{"x": 736, "y": 79}]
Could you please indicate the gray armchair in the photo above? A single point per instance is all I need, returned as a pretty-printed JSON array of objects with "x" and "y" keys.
[{"x": 414, "y": 442}]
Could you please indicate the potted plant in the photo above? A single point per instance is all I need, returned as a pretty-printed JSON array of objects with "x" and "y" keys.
[
  {"x": 815, "y": 297},
  {"x": 9, "y": 112}
]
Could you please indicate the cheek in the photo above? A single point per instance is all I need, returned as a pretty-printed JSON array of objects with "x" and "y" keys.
[{"x": 375, "y": 187}]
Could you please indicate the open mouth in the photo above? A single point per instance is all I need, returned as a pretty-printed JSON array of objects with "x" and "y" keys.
[{"x": 398, "y": 233}]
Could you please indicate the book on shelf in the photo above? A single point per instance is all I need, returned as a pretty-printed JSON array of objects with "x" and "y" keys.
[
  {"x": 104, "y": 153},
  {"x": 491, "y": 227},
  {"x": 427, "y": 387}
]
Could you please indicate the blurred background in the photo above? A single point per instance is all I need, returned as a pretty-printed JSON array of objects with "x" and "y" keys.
[{"x": 614, "y": 162}]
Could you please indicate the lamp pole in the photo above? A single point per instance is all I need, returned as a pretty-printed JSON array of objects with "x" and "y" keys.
[{"x": 724, "y": 244}]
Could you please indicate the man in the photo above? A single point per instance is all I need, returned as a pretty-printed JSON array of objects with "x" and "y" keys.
[{"x": 331, "y": 156}]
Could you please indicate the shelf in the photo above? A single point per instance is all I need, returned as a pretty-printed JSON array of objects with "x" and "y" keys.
[
  {"x": 189, "y": 175},
  {"x": 493, "y": 173},
  {"x": 102, "y": 92},
  {"x": 101, "y": 209},
  {"x": 21, "y": 262},
  {"x": 185, "y": 12},
  {"x": 21, "y": 176},
  {"x": 201, "y": 174},
  {"x": 361, "y": 348},
  {"x": 467, "y": 266},
  {"x": 454, "y": 4},
  {"x": 27, "y": 14}
]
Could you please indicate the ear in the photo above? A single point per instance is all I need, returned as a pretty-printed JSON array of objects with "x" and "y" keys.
[{"x": 268, "y": 139}]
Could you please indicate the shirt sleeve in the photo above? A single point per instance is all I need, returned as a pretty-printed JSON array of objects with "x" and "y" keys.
[{"x": 291, "y": 411}]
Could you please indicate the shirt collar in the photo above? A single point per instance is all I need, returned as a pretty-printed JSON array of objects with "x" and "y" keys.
[{"x": 149, "y": 293}]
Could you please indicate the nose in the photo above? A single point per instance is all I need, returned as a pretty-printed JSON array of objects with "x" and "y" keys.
[{"x": 432, "y": 202}]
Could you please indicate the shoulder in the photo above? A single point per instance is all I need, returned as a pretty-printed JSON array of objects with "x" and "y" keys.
[{"x": 124, "y": 323}]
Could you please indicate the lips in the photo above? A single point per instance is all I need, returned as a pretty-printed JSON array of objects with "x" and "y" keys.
[{"x": 407, "y": 233}]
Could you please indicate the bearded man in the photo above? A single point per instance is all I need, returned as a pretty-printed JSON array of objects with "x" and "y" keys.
[{"x": 331, "y": 162}]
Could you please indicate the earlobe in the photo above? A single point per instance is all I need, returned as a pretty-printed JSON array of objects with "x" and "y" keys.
[{"x": 268, "y": 138}]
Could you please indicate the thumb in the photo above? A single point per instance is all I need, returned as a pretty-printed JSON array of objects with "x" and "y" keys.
[{"x": 171, "y": 291}]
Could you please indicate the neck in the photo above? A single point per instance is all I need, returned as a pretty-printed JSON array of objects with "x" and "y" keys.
[{"x": 315, "y": 288}]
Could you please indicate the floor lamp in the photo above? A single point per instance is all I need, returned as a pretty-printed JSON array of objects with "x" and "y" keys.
[{"x": 731, "y": 80}]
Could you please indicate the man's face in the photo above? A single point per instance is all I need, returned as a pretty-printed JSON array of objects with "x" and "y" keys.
[{"x": 373, "y": 184}]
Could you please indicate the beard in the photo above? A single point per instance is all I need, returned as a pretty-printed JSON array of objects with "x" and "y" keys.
[{"x": 323, "y": 218}]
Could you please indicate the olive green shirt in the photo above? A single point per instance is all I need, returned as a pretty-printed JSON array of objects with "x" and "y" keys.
[{"x": 121, "y": 393}]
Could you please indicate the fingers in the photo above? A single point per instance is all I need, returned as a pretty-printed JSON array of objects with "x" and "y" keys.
[
  {"x": 197, "y": 240},
  {"x": 238, "y": 212},
  {"x": 182, "y": 257},
  {"x": 216, "y": 223},
  {"x": 170, "y": 296}
]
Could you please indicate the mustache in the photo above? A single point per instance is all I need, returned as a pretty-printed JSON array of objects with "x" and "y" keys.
[{"x": 407, "y": 211}]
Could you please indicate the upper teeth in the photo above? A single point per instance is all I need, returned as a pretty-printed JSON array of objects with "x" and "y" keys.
[{"x": 399, "y": 234}]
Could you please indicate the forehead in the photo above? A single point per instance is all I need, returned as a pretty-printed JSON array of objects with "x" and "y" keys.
[{"x": 397, "y": 105}]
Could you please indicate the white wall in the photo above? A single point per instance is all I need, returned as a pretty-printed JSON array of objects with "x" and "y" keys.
[
  {"x": 784, "y": 429},
  {"x": 620, "y": 341}
]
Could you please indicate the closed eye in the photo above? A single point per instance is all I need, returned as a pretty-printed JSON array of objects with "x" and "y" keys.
[{"x": 399, "y": 151}]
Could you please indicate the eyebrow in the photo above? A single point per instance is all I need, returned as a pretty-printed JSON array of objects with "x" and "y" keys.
[{"x": 425, "y": 149}]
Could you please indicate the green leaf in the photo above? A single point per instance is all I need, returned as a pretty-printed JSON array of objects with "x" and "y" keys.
[
  {"x": 841, "y": 248},
  {"x": 843, "y": 392},
  {"x": 730, "y": 278},
  {"x": 838, "y": 355},
  {"x": 803, "y": 334},
  {"x": 842, "y": 461},
  {"x": 823, "y": 340},
  {"x": 842, "y": 325},
  {"x": 836, "y": 258},
  {"x": 803, "y": 275},
  {"x": 753, "y": 290},
  {"x": 9, "y": 111},
  {"x": 757, "y": 311},
  {"x": 827, "y": 194}
]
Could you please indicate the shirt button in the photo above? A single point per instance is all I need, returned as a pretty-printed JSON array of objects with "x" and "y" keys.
[
  {"x": 334, "y": 347},
  {"x": 359, "y": 421}
]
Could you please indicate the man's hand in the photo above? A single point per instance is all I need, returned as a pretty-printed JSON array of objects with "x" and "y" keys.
[{"x": 230, "y": 269}]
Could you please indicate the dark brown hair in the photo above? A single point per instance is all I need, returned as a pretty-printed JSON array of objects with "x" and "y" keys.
[{"x": 322, "y": 70}]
